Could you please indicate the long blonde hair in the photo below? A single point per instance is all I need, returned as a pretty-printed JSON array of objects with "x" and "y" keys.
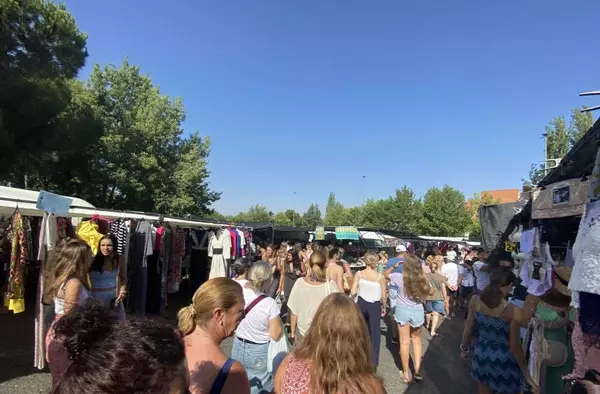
[
  {"x": 216, "y": 293},
  {"x": 416, "y": 285},
  {"x": 371, "y": 260},
  {"x": 316, "y": 263},
  {"x": 336, "y": 366},
  {"x": 71, "y": 260}
]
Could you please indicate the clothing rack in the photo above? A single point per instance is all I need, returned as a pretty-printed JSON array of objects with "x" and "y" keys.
[{"x": 81, "y": 211}]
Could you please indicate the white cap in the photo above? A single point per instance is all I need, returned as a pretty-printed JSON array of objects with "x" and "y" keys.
[{"x": 400, "y": 249}]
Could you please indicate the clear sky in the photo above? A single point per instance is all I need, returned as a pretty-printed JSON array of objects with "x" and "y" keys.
[{"x": 310, "y": 96}]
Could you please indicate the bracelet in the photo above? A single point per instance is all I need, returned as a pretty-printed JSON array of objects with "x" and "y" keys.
[{"x": 462, "y": 349}]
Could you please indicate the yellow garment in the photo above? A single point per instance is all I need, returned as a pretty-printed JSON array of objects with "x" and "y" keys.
[
  {"x": 17, "y": 306},
  {"x": 88, "y": 232}
]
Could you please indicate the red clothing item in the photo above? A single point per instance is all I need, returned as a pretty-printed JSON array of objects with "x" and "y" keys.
[
  {"x": 159, "y": 236},
  {"x": 234, "y": 241}
]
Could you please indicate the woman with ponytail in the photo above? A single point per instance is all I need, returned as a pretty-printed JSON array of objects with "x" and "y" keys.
[
  {"x": 100, "y": 355},
  {"x": 307, "y": 294},
  {"x": 216, "y": 311},
  {"x": 499, "y": 364}
]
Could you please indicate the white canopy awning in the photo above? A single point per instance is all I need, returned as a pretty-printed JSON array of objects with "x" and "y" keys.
[{"x": 26, "y": 200}]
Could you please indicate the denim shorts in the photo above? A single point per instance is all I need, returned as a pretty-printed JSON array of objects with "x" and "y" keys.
[
  {"x": 435, "y": 306},
  {"x": 254, "y": 359},
  {"x": 407, "y": 315}
]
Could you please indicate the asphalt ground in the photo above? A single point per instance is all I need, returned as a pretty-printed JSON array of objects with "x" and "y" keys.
[{"x": 442, "y": 368}]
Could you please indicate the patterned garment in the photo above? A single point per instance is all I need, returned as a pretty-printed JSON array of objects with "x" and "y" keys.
[
  {"x": 297, "y": 377},
  {"x": 119, "y": 229},
  {"x": 493, "y": 363},
  {"x": 178, "y": 252},
  {"x": 19, "y": 257}
]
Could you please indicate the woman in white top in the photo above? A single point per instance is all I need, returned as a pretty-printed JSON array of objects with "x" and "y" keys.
[
  {"x": 370, "y": 287},
  {"x": 260, "y": 325},
  {"x": 69, "y": 285},
  {"x": 307, "y": 294},
  {"x": 240, "y": 269}
]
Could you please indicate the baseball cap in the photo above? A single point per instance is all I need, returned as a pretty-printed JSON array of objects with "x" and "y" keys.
[{"x": 400, "y": 249}]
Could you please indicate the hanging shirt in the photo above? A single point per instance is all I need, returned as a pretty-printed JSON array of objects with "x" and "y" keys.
[
  {"x": 119, "y": 229},
  {"x": 159, "y": 238},
  {"x": 88, "y": 233},
  {"x": 233, "y": 238},
  {"x": 241, "y": 244}
]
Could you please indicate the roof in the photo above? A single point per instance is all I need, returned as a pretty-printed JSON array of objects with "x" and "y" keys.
[
  {"x": 503, "y": 196},
  {"x": 579, "y": 161}
]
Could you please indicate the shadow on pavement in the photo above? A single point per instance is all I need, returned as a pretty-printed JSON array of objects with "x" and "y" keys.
[{"x": 443, "y": 370}]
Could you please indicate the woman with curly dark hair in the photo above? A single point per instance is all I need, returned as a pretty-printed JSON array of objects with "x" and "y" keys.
[{"x": 98, "y": 354}]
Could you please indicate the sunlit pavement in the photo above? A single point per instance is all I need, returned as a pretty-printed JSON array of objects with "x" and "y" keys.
[{"x": 443, "y": 369}]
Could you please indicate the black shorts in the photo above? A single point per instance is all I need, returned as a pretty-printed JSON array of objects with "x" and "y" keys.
[{"x": 466, "y": 292}]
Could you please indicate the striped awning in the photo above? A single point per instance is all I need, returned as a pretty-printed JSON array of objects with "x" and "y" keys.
[{"x": 347, "y": 232}]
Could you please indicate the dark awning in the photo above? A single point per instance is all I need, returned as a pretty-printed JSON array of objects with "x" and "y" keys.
[{"x": 580, "y": 159}]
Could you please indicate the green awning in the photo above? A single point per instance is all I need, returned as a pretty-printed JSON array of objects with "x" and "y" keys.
[
  {"x": 320, "y": 233},
  {"x": 347, "y": 232}
]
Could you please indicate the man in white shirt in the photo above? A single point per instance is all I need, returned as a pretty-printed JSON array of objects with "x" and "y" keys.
[{"x": 450, "y": 271}]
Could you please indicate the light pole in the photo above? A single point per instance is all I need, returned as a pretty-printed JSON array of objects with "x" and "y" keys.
[
  {"x": 294, "y": 211},
  {"x": 363, "y": 189}
]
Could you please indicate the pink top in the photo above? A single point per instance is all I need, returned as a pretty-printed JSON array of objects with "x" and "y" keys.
[{"x": 297, "y": 377}]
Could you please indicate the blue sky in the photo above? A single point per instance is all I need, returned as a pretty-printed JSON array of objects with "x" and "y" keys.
[{"x": 309, "y": 96}]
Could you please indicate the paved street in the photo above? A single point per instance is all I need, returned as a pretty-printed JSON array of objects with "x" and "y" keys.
[{"x": 443, "y": 369}]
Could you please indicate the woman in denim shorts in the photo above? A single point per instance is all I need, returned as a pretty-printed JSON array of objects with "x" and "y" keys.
[
  {"x": 409, "y": 312},
  {"x": 435, "y": 303}
]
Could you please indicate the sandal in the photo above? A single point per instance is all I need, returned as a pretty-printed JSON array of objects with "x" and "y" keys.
[
  {"x": 406, "y": 381},
  {"x": 418, "y": 377}
]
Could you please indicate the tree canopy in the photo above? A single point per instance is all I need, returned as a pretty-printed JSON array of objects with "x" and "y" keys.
[
  {"x": 560, "y": 138},
  {"x": 114, "y": 140}
]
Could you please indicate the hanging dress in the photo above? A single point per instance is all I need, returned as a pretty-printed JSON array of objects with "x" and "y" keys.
[{"x": 219, "y": 248}]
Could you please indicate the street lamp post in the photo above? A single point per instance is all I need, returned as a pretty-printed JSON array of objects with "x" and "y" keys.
[
  {"x": 363, "y": 189},
  {"x": 294, "y": 212}
]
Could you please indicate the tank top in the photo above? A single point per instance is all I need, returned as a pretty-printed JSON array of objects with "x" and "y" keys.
[
  {"x": 369, "y": 290},
  {"x": 104, "y": 280},
  {"x": 59, "y": 303}
]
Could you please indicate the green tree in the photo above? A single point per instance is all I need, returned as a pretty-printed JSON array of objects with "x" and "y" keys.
[
  {"x": 400, "y": 212},
  {"x": 282, "y": 219},
  {"x": 473, "y": 205},
  {"x": 444, "y": 213},
  {"x": 67, "y": 163},
  {"x": 312, "y": 217},
  {"x": 581, "y": 122},
  {"x": 335, "y": 214},
  {"x": 561, "y": 137},
  {"x": 141, "y": 161},
  {"x": 256, "y": 213},
  {"x": 41, "y": 49}
]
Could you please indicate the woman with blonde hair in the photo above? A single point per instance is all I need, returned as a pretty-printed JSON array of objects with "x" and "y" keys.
[
  {"x": 325, "y": 362},
  {"x": 261, "y": 324},
  {"x": 69, "y": 285},
  {"x": 216, "y": 310},
  {"x": 412, "y": 288},
  {"x": 370, "y": 288},
  {"x": 307, "y": 294}
]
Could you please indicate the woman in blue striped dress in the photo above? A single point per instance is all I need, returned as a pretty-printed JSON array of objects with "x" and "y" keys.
[{"x": 498, "y": 364}]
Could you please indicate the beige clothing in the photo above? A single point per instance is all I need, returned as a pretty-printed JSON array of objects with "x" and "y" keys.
[{"x": 305, "y": 299}]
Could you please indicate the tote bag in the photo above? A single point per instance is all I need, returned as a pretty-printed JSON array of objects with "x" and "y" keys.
[{"x": 277, "y": 347}]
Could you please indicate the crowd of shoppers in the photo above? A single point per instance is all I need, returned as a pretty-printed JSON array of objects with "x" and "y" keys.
[{"x": 311, "y": 297}]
